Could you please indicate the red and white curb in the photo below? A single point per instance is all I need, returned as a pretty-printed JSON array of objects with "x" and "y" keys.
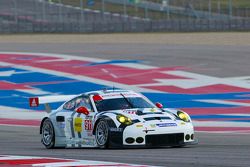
[{"x": 8, "y": 160}]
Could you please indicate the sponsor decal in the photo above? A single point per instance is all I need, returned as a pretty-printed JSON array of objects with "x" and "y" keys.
[
  {"x": 130, "y": 111},
  {"x": 70, "y": 141},
  {"x": 153, "y": 110},
  {"x": 25, "y": 161},
  {"x": 153, "y": 126},
  {"x": 88, "y": 124},
  {"x": 148, "y": 130},
  {"x": 119, "y": 95},
  {"x": 78, "y": 124},
  {"x": 89, "y": 142},
  {"x": 89, "y": 117},
  {"x": 139, "y": 126},
  {"x": 166, "y": 124},
  {"x": 61, "y": 125},
  {"x": 89, "y": 134},
  {"x": 78, "y": 141},
  {"x": 116, "y": 129},
  {"x": 84, "y": 141},
  {"x": 69, "y": 119},
  {"x": 183, "y": 123},
  {"x": 34, "y": 102}
]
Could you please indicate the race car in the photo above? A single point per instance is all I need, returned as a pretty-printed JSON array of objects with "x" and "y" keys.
[{"x": 112, "y": 119}]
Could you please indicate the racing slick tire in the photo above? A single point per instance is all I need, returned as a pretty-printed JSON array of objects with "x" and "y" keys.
[
  {"x": 48, "y": 134},
  {"x": 102, "y": 134}
]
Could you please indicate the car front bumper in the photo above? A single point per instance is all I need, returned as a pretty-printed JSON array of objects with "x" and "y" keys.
[{"x": 149, "y": 136}]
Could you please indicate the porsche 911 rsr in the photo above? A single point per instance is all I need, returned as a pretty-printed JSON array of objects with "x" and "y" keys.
[{"x": 112, "y": 118}]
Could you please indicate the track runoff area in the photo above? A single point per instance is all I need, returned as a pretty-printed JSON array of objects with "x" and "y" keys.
[{"x": 216, "y": 105}]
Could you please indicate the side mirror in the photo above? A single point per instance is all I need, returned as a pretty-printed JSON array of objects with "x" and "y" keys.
[
  {"x": 97, "y": 98},
  {"x": 82, "y": 110},
  {"x": 159, "y": 105}
]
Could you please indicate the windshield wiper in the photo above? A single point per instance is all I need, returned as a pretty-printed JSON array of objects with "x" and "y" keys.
[{"x": 131, "y": 105}]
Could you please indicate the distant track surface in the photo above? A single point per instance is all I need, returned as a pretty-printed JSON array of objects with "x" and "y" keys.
[{"x": 221, "y": 150}]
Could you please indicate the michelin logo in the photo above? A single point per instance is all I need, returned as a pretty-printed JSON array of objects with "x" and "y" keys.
[{"x": 166, "y": 124}]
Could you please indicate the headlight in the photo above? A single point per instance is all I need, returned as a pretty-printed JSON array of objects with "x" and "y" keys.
[
  {"x": 183, "y": 116},
  {"x": 124, "y": 120}
]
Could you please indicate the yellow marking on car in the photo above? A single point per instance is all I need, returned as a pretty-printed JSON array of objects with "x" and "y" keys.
[
  {"x": 152, "y": 125},
  {"x": 78, "y": 124},
  {"x": 152, "y": 109},
  {"x": 139, "y": 126},
  {"x": 183, "y": 123}
]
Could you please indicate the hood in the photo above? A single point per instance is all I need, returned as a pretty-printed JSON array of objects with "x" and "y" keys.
[{"x": 146, "y": 114}]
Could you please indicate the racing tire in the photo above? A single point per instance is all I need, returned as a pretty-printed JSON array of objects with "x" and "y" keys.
[
  {"x": 48, "y": 134},
  {"x": 102, "y": 134}
]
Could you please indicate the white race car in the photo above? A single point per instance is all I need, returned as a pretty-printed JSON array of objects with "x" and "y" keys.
[{"x": 112, "y": 118}]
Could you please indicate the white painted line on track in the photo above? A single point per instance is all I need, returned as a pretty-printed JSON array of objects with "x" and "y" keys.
[
  {"x": 20, "y": 114},
  {"x": 15, "y": 157},
  {"x": 109, "y": 73},
  {"x": 49, "y": 61},
  {"x": 33, "y": 91},
  {"x": 236, "y": 114},
  {"x": 79, "y": 77},
  {"x": 26, "y": 126},
  {"x": 220, "y": 124},
  {"x": 225, "y": 102},
  {"x": 72, "y": 57},
  {"x": 62, "y": 162},
  {"x": 241, "y": 132},
  {"x": 12, "y": 72},
  {"x": 7, "y": 73},
  {"x": 200, "y": 80}
]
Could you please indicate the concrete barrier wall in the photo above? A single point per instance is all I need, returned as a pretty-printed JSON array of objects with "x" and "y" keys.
[{"x": 127, "y": 26}]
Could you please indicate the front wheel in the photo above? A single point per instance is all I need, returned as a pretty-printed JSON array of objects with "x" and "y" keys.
[
  {"x": 48, "y": 135},
  {"x": 102, "y": 134}
]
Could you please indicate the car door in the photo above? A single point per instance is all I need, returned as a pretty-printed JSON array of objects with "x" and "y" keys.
[
  {"x": 83, "y": 124},
  {"x": 78, "y": 127}
]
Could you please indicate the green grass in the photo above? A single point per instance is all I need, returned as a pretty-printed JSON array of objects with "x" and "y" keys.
[
  {"x": 197, "y": 4},
  {"x": 236, "y": 3}
]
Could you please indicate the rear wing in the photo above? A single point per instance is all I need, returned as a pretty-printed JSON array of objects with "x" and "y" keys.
[{"x": 46, "y": 100}]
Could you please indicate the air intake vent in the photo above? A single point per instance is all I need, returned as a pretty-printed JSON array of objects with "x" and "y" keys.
[
  {"x": 139, "y": 112},
  {"x": 157, "y": 118},
  {"x": 165, "y": 139}
]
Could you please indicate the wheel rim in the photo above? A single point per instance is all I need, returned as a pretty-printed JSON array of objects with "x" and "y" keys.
[
  {"x": 47, "y": 133},
  {"x": 101, "y": 133}
]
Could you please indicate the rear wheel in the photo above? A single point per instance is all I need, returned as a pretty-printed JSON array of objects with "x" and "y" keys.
[
  {"x": 102, "y": 134},
  {"x": 48, "y": 134}
]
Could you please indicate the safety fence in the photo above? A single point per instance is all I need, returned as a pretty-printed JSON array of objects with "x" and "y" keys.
[
  {"x": 128, "y": 26},
  {"x": 42, "y": 16}
]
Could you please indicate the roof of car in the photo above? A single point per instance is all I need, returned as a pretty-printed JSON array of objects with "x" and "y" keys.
[{"x": 110, "y": 91}]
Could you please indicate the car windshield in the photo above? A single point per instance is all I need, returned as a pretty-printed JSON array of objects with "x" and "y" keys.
[{"x": 122, "y": 103}]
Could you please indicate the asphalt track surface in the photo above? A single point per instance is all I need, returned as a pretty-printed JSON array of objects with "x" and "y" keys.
[{"x": 213, "y": 149}]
